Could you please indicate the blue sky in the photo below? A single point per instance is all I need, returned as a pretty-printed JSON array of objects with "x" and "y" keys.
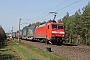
[{"x": 34, "y": 10}]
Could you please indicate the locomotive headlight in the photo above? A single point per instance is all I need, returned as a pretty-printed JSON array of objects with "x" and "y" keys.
[
  {"x": 54, "y": 32},
  {"x": 62, "y": 32}
]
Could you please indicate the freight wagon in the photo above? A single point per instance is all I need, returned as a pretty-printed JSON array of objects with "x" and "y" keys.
[{"x": 24, "y": 33}]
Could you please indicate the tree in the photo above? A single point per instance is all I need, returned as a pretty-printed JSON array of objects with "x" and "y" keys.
[
  {"x": 2, "y": 36},
  {"x": 85, "y": 17}
]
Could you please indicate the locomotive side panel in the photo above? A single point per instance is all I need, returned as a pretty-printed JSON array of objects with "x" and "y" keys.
[
  {"x": 40, "y": 32},
  {"x": 43, "y": 32},
  {"x": 49, "y": 32}
]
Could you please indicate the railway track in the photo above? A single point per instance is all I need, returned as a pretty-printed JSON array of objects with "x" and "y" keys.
[{"x": 72, "y": 52}]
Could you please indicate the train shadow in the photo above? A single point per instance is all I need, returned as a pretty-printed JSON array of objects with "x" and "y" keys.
[
  {"x": 33, "y": 40},
  {"x": 65, "y": 44},
  {"x": 69, "y": 44}
]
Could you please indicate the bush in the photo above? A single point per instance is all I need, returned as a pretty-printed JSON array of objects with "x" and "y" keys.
[
  {"x": 88, "y": 42},
  {"x": 2, "y": 36}
]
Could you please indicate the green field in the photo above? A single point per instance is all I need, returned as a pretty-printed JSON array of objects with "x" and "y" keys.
[{"x": 27, "y": 52}]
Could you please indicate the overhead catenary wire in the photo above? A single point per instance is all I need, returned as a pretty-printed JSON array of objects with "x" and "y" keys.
[
  {"x": 60, "y": 4},
  {"x": 41, "y": 18},
  {"x": 61, "y": 8},
  {"x": 51, "y": 9},
  {"x": 25, "y": 21},
  {"x": 68, "y": 5}
]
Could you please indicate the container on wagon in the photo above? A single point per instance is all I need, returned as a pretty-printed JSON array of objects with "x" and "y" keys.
[
  {"x": 31, "y": 31},
  {"x": 21, "y": 32},
  {"x": 25, "y": 32}
]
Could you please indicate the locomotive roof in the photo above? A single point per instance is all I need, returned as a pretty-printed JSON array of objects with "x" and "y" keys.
[{"x": 54, "y": 22}]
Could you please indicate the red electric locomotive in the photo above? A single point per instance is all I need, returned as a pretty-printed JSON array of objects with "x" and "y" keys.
[{"x": 52, "y": 32}]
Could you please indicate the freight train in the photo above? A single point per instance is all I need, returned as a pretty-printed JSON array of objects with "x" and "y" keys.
[{"x": 52, "y": 32}]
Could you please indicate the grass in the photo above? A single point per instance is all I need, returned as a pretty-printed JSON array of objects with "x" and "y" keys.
[
  {"x": 7, "y": 54},
  {"x": 22, "y": 52}
]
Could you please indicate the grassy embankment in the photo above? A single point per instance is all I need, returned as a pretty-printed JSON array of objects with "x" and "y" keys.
[
  {"x": 27, "y": 52},
  {"x": 6, "y": 53}
]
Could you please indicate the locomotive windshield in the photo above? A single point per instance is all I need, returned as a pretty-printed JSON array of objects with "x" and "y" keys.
[{"x": 57, "y": 26}]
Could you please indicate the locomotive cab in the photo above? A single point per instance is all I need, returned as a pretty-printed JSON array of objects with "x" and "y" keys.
[{"x": 57, "y": 32}]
